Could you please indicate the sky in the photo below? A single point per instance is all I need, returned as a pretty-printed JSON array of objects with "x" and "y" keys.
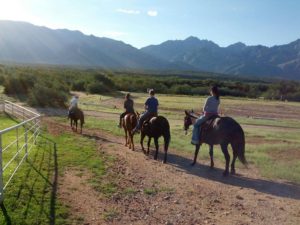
[{"x": 145, "y": 22}]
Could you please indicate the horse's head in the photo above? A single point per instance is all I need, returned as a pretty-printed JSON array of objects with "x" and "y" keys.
[{"x": 187, "y": 121}]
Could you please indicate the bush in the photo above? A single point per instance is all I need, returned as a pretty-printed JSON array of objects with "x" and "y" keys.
[
  {"x": 79, "y": 85},
  {"x": 98, "y": 88},
  {"x": 47, "y": 97}
]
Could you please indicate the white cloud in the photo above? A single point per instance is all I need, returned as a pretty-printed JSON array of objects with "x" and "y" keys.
[
  {"x": 152, "y": 13},
  {"x": 128, "y": 11}
]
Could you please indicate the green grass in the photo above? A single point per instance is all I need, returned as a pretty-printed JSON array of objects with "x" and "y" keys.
[
  {"x": 31, "y": 197},
  {"x": 274, "y": 132}
]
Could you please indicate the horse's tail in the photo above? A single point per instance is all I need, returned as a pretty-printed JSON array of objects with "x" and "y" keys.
[
  {"x": 167, "y": 135},
  {"x": 82, "y": 117},
  {"x": 240, "y": 148}
]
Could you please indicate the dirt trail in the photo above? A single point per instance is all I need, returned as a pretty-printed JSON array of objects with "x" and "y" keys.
[{"x": 150, "y": 192}]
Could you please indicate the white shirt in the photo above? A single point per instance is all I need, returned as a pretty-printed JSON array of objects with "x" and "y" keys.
[
  {"x": 211, "y": 105},
  {"x": 74, "y": 102}
]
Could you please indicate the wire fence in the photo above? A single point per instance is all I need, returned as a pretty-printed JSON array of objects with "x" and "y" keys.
[{"x": 16, "y": 141}]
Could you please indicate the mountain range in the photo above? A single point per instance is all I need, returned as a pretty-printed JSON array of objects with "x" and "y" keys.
[{"x": 22, "y": 42}]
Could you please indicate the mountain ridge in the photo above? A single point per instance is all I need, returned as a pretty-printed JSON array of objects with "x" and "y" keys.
[{"x": 22, "y": 42}]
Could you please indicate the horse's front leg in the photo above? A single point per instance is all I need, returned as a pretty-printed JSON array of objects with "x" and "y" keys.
[
  {"x": 211, "y": 154},
  {"x": 148, "y": 145},
  {"x": 142, "y": 141},
  {"x": 76, "y": 125},
  {"x": 71, "y": 123},
  {"x": 197, "y": 148}
]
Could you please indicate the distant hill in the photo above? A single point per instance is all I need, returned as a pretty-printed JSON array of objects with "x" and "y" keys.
[
  {"x": 278, "y": 61},
  {"x": 22, "y": 42}
]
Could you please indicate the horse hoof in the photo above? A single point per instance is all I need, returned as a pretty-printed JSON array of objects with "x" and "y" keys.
[
  {"x": 225, "y": 173},
  {"x": 193, "y": 164},
  {"x": 233, "y": 172}
]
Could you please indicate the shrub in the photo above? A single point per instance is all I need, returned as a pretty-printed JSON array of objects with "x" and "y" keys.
[{"x": 47, "y": 97}]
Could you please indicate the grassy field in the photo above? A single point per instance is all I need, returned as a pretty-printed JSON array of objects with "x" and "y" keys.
[
  {"x": 273, "y": 148},
  {"x": 272, "y": 142},
  {"x": 31, "y": 196}
]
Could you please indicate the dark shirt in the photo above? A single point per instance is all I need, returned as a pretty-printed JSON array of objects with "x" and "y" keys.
[
  {"x": 128, "y": 105},
  {"x": 151, "y": 104}
]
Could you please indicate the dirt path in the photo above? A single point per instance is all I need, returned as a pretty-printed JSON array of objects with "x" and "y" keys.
[{"x": 149, "y": 192}]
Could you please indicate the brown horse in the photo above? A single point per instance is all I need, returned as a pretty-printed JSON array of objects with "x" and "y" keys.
[
  {"x": 156, "y": 127},
  {"x": 74, "y": 116},
  {"x": 222, "y": 131},
  {"x": 129, "y": 122}
]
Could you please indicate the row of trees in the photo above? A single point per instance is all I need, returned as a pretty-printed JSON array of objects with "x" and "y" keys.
[{"x": 44, "y": 86}]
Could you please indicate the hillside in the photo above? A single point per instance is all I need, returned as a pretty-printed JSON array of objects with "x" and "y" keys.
[
  {"x": 22, "y": 42},
  {"x": 239, "y": 59}
]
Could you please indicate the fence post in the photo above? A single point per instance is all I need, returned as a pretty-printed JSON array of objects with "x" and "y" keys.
[
  {"x": 26, "y": 142},
  {"x": 1, "y": 172}
]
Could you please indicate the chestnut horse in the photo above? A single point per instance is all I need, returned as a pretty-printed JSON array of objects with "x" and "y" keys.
[
  {"x": 129, "y": 122},
  {"x": 74, "y": 117},
  {"x": 222, "y": 131},
  {"x": 156, "y": 127}
]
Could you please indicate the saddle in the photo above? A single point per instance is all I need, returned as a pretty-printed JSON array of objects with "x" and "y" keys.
[
  {"x": 149, "y": 118},
  {"x": 207, "y": 125}
]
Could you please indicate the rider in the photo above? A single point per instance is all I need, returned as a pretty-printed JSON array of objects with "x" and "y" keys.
[
  {"x": 151, "y": 107},
  {"x": 210, "y": 108},
  {"x": 73, "y": 104},
  {"x": 128, "y": 106}
]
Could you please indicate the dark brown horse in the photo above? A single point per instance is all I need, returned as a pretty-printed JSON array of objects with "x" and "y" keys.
[
  {"x": 74, "y": 116},
  {"x": 129, "y": 122},
  {"x": 155, "y": 128},
  {"x": 220, "y": 131}
]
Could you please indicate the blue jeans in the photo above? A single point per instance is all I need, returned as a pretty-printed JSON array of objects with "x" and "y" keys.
[
  {"x": 143, "y": 117},
  {"x": 197, "y": 129}
]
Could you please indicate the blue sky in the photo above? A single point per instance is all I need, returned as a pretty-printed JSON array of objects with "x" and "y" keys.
[{"x": 144, "y": 22}]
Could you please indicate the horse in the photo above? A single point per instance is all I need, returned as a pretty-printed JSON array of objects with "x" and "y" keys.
[
  {"x": 222, "y": 131},
  {"x": 128, "y": 123},
  {"x": 76, "y": 115},
  {"x": 155, "y": 128}
]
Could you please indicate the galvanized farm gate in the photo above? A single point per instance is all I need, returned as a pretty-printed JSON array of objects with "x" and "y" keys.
[{"x": 25, "y": 134}]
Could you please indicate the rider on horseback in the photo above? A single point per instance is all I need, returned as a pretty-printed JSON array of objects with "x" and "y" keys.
[
  {"x": 151, "y": 107},
  {"x": 210, "y": 108},
  {"x": 128, "y": 106},
  {"x": 73, "y": 104}
]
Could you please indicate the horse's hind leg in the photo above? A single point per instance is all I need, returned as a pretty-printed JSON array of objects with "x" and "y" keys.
[
  {"x": 126, "y": 137},
  {"x": 148, "y": 145},
  {"x": 156, "y": 147},
  {"x": 227, "y": 158},
  {"x": 131, "y": 141},
  {"x": 234, "y": 149},
  {"x": 211, "y": 154},
  {"x": 197, "y": 148}
]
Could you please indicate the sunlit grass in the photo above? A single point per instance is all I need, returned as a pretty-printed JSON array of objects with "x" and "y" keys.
[
  {"x": 31, "y": 197},
  {"x": 277, "y": 134}
]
